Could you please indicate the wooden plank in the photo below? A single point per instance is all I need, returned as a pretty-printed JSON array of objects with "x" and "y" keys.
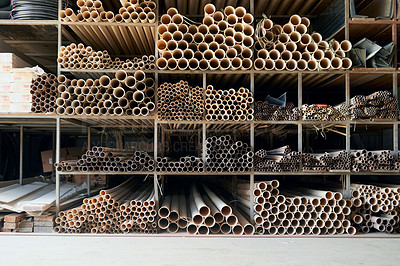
[
  {"x": 20, "y": 191},
  {"x": 14, "y": 217}
]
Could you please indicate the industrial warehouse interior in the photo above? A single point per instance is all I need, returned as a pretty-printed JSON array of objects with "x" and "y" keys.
[{"x": 239, "y": 132}]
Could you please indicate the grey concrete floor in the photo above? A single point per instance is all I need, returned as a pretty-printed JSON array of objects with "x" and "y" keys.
[{"x": 138, "y": 250}]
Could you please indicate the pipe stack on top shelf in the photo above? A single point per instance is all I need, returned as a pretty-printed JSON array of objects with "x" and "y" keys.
[
  {"x": 303, "y": 211},
  {"x": 44, "y": 94},
  {"x": 228, "y": 105},
  {"x": 226, "y": 155},
  {"x": 102, "y": 159},
  {"x": 223, "y": 40},
  {"x": 124, "y": 94},
  {"x": 201, "y": 211},
  {"x": 376, "y": 207},
  {"x": 77, "y": 56},
  {"x": 365, "y": 161},
  {"x": 267, "y": 112},
  {"x": 292, "y": 47},
  {"x": 129, "y": 207},
  {"x": 180, "y": 102},
  {"x": 132, "y": 11},
  {"x": 378, "y": 105}
]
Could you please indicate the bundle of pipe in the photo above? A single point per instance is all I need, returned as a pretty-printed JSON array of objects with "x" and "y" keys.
[
  {"x": 324, "y": 112},
  {"x": 129, "y": 207},
  {"x": 180, "y": 102},
  {"x": 340, "y": 160},
  {"x": 129, "y": 95},
  {"x": 364, "y": 161},
  {"x": 102, "y": 159},
  {"x": 267, "y": 111},
  {"x": 282, "y": 159},
  {"x": 185, "y": 164},
  {"x": 376, "y": 207},
  {"x": 225, "y": 155},
  {"x": 223, "y": 41},
  {"x": 378, "y": 105},
  {"x": 291, "y": 47},
  {"x": 228, "y": 105},
  {"x": 77, "y": 56},
  {"x": 132, "y": 11},
  {"x": 44, "y": 94},
  {"x": 201, "y": 211},
  {"x": 303, "y": 211}
]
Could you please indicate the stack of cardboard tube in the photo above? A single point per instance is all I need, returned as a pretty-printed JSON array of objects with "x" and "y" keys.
[
  {"x": 44, "y": 94},
  {"x": 223, "y": 40},
  {"x": 293, "y": 47},
  {"x": 121, "y": 95}
]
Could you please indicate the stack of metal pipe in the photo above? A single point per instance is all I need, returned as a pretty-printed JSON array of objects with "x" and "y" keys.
[
  {"x": 180, "y": 102},
  {"x": 303, "y": 211},
  {"x": 132, "y": 11},
  {"x": 293, "y": 47},
  {"x": 225, "y": 155},
  {"x": 282, "y": 159},
  {"x": 77, "y": 56},
  {"x": 201, "y": 211},
  {"x": 189, "y": 164},
  {"x": 323, "y": 112},
  {"x": 376, "y": 207},
  {"x": 122, "y": 95},
  {"x": 223, "y": 40},
  {"x": 228, "y": 105},
  {"x": 44, "y": 94},
  {"x": 129, "y": 207},
  {"x": 102, "y": 159},
  {"x": 365, "y": 161},
  {"x": 340, "y": 160},
  {"x": 378, "y": 105},
  {"x": 267, "y": 111}
]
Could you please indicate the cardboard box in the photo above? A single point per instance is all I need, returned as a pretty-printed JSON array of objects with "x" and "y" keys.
[
  {"x": 24, "y": 87},
  {"x": 22, "y": 75},
  {"x": 21, "y": 97},
  {"x": 21, "y": 107},
  {"x": 5, "y": 107},
  {"x": 13, "y": 60},
  {"x": 5, "y": 77},
  {"x": 5, "y": 97},
  {"x": 5, "y": 87},
  {"x": 71, "y": 153}
]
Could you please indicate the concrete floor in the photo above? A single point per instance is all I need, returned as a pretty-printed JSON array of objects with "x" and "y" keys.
[{"x": 167, "y": 250}]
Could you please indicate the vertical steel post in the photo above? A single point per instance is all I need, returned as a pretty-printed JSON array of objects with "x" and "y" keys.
[
  {"x": 58, "y": 141},
  {"x": 88, "y": 147},
  {"x": 21, "y": 154}
]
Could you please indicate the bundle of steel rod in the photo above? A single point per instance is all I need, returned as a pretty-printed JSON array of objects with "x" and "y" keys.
[
  {"x": 122, "y": 95},
  {"x": 282, "y": 159},
  {"x": 225, "y": 155},
  {"x": 292, "y": 47},
  {"x": 228, "y": 105},
  {"x": 365, "y": 161},
  {"x": 376, "y": 207},
  {"x": 223, "y": 40},
  {"x": 378, "y": 105},
  {"x": 201, "y": 211},
  {"x": 77, "y": 56},
  {"x": 132, "y": 11},
  {"x": 180, "y": 102},
  {"x": 44, "y": 94},
  {"x": 340, "y": 160},
  {"x": 303, "y": 211},
  {"x": 109, "y": 160},
  {"x": 323, "y": 112},
  {"x": 129, "y": 207},
  {"x": 267, "y": 111},
  {"x": 185, "y": 164}
]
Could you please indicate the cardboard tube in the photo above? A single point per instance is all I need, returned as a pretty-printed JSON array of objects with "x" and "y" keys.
[
  {"x": 268, "y": 24},
  {"x": 259, "y": 64},
  {"x": 246, "y": 63},
  {"x": 162, "y": 63},
  {"x": 316, "y": 37},
  {"x": 172, "y": 64},
  {"x": 236, "y": 63},
  {"x": 203, "y": 64},
  {"x": 286, "y": 55},
  {"x": 336, "y": 63},
  {"x": 283, "y": 38},
  {"x": 291, "y": 65},
  {"x": 318, "y": 55},
  {"x": 280, "y": 64},
  {"x": 302, "y": 64},
  {"x": 288, "y": 28},
  {"x": 324, "y": 63},
  {"x": 345, "y": 45},
  {"x": 346, "y": 63},
  {"x": 193, "y": 64},
  {"x": 225, "y": 64},
  {"x": 295, "y": 36},
  {"x": 312, "y": 65},
  {"x": 232, "y": 19},
  {"x": 269, "y": 64},
  {"x": 274, "y": 54}
]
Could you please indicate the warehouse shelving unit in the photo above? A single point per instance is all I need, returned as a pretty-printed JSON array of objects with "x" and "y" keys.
[{"x": 298, "y": 81}]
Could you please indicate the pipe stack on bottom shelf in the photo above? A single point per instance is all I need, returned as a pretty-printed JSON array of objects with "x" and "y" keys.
[
  {"x": 290, "y": 47},
  {"x": 77, "y": 56},
  {"x": 376, "y": 207},
  {"x": 302, "y": 211},
  {"x": 378, "y": 105},
  {"x": 44, "y": 94},
  {"x": 225, "y": 155},
  {"x": 180, "y": 102},
  {"x": 109, "y": 160},
  {"x": 124, "y": 94},
  {"x": 266, "y": 111},
  {"x": 229, "y": 105},
  {"x": 201, "y": 212},
  {"x": 129, "y": 207},
  {"x": 223, "y": 41}
]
